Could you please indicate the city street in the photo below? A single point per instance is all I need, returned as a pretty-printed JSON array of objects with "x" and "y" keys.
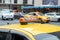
[
  {"x": 38, "y": 36},
  {"x": 15, "y": 21},
  {"x": 4, "y": 22}
]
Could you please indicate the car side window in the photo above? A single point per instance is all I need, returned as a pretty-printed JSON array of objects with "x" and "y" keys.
[
  {"x": 34, "y": 14},
  {"x": 12, "y": 36},
  {"x": 3, "y": 36},
  {"x": 18, "y": 37},
  {"x": 30, "y": 14}
]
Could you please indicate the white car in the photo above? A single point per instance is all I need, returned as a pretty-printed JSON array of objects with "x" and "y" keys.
[
  {"x": 6, "y": 15},
  {"x": 53, "y": 16}
]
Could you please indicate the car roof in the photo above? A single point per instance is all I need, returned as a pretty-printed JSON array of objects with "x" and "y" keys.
[{"x": 32, "y": 28}]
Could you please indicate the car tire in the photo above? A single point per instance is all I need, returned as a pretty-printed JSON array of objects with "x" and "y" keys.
[
  {"x": 10, "y": 18},
  {"x": 23, "y": 23},
  {"x": 59, "y": 20},
  {"x": 2, "y": 18},
  {"x": 47, "y": 22},
  {"x": 42, "y": 22}
]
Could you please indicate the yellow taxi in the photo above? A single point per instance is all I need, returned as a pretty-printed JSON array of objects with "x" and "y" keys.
[
  {"x": 34, "y": 17},
  {"x": 30, "y": 32}
]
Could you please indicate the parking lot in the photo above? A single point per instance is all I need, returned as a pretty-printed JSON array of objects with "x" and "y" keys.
[{"x": 16, "y": 21}]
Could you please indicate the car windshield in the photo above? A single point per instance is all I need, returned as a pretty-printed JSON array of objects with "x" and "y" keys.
[{"x": 58, "y": 14}]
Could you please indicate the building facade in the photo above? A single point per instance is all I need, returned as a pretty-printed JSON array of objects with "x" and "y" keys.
[
  {"x": 14, "y": 3},
  {"x": 46, "y": 2}
]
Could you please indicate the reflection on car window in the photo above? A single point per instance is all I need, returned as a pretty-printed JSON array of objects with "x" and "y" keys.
[
  {"x": 18, "y": 37},
  {"x": 57, "y": 34},
  {"x": 3, "y": 36}
]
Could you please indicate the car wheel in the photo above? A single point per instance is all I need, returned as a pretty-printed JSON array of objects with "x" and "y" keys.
[
  {"x": 10, "y": 18},
  {"x": 23, "y": 23},
  {"x": 2, "y": 18},
  {"x": 59, "y": 20},
  {"x": 42, "y": 22},
  {"x": 47, "y": 22}
]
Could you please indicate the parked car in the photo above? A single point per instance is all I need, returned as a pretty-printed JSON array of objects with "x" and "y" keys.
[
  {"x": 6, "y": 15},
  {"x": 34, "y": 17},
  {"x": 53, "y": 16}
]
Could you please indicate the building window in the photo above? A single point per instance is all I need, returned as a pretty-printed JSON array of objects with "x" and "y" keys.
[
  {"x": 24, "y": 1},
  {"x": 0, "y": 1},
  {"x": 50, "y": 2},
  {"x": 10, "y": 1},
  {"x": 15, "y": 1},
  {"x": 3, "y": 1},
  {"x": 33, "y": 2}
]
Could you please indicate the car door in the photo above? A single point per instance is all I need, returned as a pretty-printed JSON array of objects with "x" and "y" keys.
[
  {"x": 55, "y": 17},
  {"x": 33, "y": 17},
  {"x": 30, "y": 16}
]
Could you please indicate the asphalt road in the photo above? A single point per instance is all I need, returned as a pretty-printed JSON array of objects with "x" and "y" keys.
[{"x": 4, "y": 22}]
